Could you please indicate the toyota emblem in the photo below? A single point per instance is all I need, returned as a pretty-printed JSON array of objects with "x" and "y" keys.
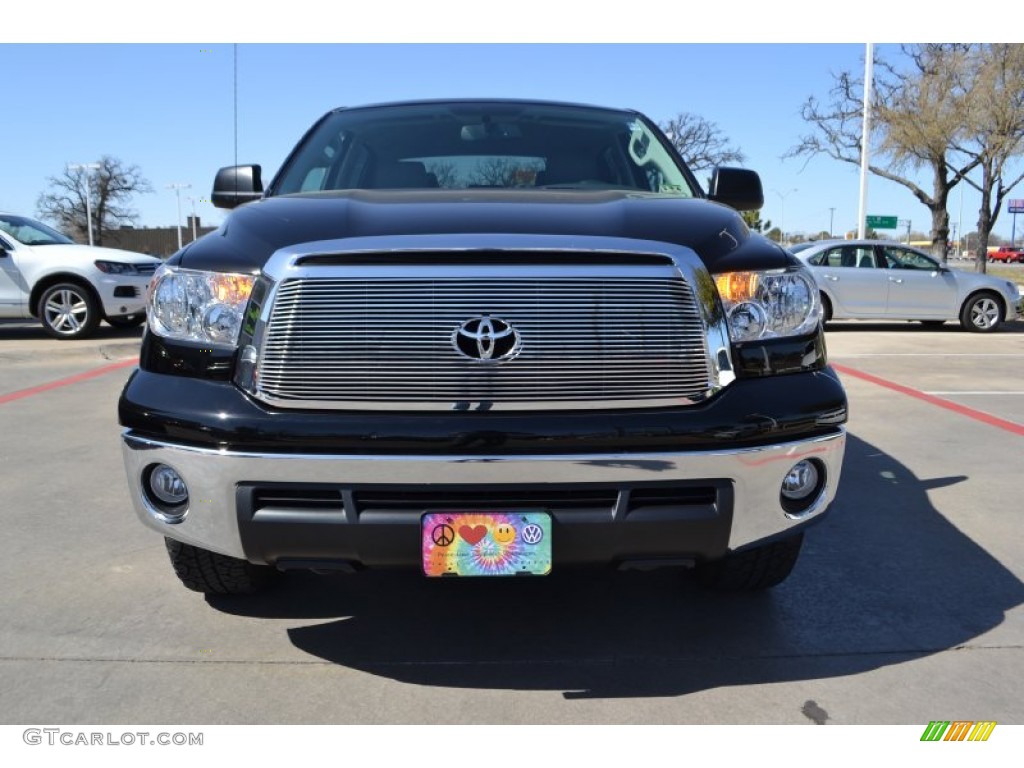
[{"x": 486, "y": 339}]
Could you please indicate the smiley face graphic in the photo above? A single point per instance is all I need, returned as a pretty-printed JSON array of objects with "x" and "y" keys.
[{"x": 504, "y": 534}]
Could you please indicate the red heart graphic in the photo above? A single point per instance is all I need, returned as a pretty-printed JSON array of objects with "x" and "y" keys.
[{"x": 473, "y": 535}]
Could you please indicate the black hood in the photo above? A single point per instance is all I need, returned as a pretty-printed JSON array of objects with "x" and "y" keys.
[{"x": 253, "y": 232}]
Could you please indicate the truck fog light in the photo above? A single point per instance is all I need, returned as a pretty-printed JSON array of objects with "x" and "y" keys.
[
  {"x": 801, "y": 485},
  {"x": 800, "y": 481},
  {"x": 167, "y": 485},
  {"x": 167, "y": 492}
]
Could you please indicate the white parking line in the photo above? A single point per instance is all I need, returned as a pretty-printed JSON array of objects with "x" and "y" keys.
[
  {"x": 927, "y": 354},
  {"x": 949, "y": 405},
  {"x": 972, "y": 392}
]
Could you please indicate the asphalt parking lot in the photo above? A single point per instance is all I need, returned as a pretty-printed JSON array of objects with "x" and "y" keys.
[{"x": 906, "y": 606}]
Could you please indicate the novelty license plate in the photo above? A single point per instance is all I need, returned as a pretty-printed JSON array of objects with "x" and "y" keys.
[{"x": 486, "y": 543}]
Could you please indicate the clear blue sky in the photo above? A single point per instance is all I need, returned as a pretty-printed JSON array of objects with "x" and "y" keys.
[{"x": 168, "y": 109}]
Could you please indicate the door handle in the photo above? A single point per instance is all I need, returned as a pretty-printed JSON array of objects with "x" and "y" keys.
[
  {"x": 833, "y": 278},
  {"x": 895, "y": 280}
]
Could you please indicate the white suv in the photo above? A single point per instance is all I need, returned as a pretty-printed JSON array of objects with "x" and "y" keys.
[{"x": 69, "y": 287}]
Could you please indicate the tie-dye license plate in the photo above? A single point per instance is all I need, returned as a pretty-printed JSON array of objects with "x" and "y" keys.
[{"x": 486, "y": 543}]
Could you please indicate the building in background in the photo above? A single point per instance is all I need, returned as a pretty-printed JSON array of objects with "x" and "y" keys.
[{"x": 155, "y": 241}]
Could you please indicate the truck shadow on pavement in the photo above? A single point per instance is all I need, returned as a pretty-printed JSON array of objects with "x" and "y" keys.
[{"x": 883, "y": 580}]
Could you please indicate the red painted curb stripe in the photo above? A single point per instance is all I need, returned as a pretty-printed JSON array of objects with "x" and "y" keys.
[
  {"x": 22, "y": 393},
  {"x": 963, "y": 410}
]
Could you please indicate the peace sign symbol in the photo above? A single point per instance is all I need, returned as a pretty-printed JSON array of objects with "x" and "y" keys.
[{"x": 443, "y": 535}]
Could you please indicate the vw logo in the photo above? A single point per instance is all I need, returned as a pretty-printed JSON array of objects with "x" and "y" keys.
[
  {"x": 486, "y": 339},
  {"x": 533, "y": 533}
]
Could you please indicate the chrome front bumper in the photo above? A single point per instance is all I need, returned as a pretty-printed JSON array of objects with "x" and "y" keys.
[{"x": 213, "y": 478}]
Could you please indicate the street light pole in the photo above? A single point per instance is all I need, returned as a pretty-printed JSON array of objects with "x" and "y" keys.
[
  {"x": 782, "y": 211},
  {"x": 831, "y": 219},
  {"x": 193, "y": 201},
  {"x": 177, "y": 192},
  {"x": 865, "y": 142},
  {"x": 88, "y": 195}
]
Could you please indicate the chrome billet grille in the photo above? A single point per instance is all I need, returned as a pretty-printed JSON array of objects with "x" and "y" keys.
[{"x": 591, "y": 340}]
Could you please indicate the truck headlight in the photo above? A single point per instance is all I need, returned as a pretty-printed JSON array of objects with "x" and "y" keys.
[
  {"x": 204, "y": 307},
  {"x": 770, "y": 304}
]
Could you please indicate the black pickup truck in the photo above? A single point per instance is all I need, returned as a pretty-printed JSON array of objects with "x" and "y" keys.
[{"x": 482, "y": 338}]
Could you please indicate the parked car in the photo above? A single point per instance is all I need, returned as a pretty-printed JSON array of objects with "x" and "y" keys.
[
  {"x": 69, "y": 287},
  {"x": 483, "y": 338},
  {"x": 1007, "y": 254},
  {"x": 883, "y": 280}
]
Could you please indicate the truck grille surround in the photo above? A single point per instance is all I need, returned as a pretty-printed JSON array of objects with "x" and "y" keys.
[{"x": 416, "y": 336}]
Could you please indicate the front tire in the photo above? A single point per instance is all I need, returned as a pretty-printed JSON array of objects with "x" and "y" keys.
[
  {"x": 215, "y": 574},
  {"x": 826, "y": 309},
  {"x": 981, "y": 313},
  {"x": 751, "y": 569},
  {"x": 68, "y": 311}
]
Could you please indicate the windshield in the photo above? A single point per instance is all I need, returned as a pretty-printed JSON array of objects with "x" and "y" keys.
[
  {"x": 484, "y": 145},
  {"x": 29, "y": 232}
]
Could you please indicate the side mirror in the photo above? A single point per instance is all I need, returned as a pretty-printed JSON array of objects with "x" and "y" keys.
[
  {"x": 237, "y": 184},
  {"x": 737, "y": 187}
]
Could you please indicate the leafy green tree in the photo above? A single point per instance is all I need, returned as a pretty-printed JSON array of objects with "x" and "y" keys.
[
  {"x": 918, "y": 108},
  {"x": 754, "y": 221},
  {"x": 994, "y": 132}
]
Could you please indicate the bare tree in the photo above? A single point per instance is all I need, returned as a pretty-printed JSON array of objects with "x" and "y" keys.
[
  {"x": 701, "y": 142},
  {"x": 111, "y": 187},
  {"x": 505, "y": 172},
  {"x": 994, "y": 132},
  {"x": 493, "y": 172},
  {"x": 445, "y": 172},
  {"x": 917, "y": 119}
]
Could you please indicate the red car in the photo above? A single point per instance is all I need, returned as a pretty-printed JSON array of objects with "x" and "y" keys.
[{"x": 1007, "y": 254}]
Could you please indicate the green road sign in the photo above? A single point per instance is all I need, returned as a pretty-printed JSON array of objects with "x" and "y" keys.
[{"x": 882, "y": 222}]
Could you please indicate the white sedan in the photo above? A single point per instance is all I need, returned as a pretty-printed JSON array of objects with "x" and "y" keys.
[
  {"x": 69, "y": 287},
  {"x": 884, "y": 280}
]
